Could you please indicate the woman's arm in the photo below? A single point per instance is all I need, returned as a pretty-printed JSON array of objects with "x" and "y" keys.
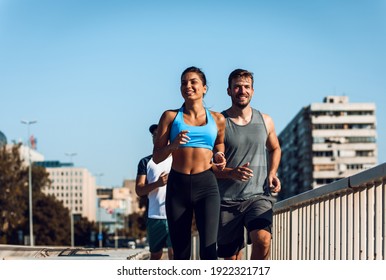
[
  {"x": 162, "y": 146},
  {"x": 219, "y": 159}
]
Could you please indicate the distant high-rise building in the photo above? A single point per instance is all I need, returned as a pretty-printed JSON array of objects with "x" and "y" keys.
[
  {"x": 74, "y": 186},
  {"x": 3, "y": 139},
  {"x": 325, "y": 142}
]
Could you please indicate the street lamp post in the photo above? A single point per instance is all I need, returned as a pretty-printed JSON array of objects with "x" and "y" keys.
[
  {"x": 100, "y": 238},
  {"x": 71, "y": 155},
  {"x": 31, "y": 231}
]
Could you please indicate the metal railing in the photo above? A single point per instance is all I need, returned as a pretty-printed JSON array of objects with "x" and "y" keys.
[{"x": 344, "y": 220}]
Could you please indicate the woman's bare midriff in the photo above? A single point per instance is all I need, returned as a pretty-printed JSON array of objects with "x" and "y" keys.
[{"x": 192, "y": 160}]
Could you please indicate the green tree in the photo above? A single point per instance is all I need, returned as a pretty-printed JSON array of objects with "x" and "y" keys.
[
  {"x": 136, "y": 226},
  {"x": 51, "y": 220},
  {"x": 85, "y": 232},
  {"x": 13, "y": 188}
]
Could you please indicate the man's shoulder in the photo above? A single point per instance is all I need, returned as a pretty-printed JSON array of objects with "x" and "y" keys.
[
  {"x": 142, "y": 165},
  {"x": 145, "y": 160},
  {"x": 225, "y": 113},
  {"x": 255, "y": 110}
]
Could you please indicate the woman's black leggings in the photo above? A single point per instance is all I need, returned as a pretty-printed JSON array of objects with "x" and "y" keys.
[{"x": 187, "y": 194}]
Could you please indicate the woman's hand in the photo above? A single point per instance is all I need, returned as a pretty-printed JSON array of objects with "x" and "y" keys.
[
  {"x": 181, "y": 139},
  {"x": 219, "y": 160}
]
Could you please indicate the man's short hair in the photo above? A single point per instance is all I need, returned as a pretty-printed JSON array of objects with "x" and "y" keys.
[{"x": 239, "y": 73}]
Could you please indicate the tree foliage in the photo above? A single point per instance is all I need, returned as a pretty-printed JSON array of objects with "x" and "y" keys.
[
  {"x": 85, "y": 233},
  {"x": 51, "y": 220},
  {"x": 13, "y": 188}
]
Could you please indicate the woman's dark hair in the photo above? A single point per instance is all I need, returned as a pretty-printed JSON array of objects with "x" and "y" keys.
[{"x": 196, "y": 70}]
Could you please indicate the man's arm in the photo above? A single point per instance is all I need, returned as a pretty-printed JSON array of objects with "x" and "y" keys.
[
  {"x": 141, "y": 188},
  {"x": 274, "y": 154}
]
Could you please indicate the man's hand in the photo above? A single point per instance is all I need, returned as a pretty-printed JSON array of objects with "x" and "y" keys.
[
  {"x": 163, "y": 179},
  {"x": 242, "y": 173},
  {"x": 274, "y": 183}
]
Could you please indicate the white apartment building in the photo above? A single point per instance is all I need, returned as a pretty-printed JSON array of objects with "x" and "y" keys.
[
  {"x": 326, "y": 142},
  {"x": 76, "y": 188}
]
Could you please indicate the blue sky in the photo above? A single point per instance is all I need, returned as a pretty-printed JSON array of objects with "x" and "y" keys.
[{"x": 96, "y": 74}]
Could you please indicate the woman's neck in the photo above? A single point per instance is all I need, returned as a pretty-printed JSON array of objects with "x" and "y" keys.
[{"x": 194, "y": 109}]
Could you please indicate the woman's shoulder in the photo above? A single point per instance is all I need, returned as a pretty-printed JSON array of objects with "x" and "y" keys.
[
  {"x": 217, "y": 116},
  {"x": 170, "y": 114}
]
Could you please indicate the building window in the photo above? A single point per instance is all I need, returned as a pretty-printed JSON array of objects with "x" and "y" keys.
[
  {"x": 354, "y": 166},
  {"x": 324, "y": 167},
  {"x": 322, "y": 154},
  {"x": 369, "y": 153},
  {"x": 360, "y": 113},
  {"x": 324, "y": 181},
  {"x": 361, "y": 139},
  {"x": 318, "y": 140}
]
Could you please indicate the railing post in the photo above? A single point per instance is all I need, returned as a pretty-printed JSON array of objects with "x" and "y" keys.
[
  {"x": 294, "y": 229},
  {"x": 379, "y": 208},
  {"x": 370, "y": 223}
]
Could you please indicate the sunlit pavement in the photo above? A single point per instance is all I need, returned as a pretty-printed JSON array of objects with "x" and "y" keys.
[{"x": 40, "y": 252}]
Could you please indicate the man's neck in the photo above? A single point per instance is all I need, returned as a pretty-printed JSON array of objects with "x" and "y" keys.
[{"x": 240, "y": 116}]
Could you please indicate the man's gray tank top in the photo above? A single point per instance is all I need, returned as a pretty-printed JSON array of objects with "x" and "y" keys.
[{"x": 245, "y": 143}]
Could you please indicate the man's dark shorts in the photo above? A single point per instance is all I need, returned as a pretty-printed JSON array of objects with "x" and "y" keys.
[{"x": 255, "y": 213}]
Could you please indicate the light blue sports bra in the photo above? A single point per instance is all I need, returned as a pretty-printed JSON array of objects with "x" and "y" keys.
[{"x": 200, "y": 136}]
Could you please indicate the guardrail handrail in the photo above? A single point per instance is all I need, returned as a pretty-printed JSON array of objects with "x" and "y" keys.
[{"x": 341, "y": 220}]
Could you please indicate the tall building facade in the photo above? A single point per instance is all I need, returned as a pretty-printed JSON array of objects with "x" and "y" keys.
[
  {"x": 325, "y": 142},
  {"x": 3, "y": 139},
  {"x": 74, "y": 186}
]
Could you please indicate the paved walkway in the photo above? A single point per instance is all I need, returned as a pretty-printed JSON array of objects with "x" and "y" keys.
[{"x": 36, "y": 252}]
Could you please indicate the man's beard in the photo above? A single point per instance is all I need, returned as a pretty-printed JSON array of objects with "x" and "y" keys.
[{"x": 241, "y": 106}]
